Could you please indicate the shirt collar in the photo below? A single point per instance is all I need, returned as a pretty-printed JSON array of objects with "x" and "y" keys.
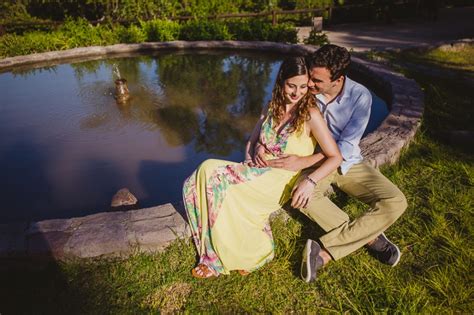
[{"x": 343, "y": 93}]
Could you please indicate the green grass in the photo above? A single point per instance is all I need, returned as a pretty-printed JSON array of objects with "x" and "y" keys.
[
  {"x": 453, "y": 58},
  {"x": 435, "y": 275}
]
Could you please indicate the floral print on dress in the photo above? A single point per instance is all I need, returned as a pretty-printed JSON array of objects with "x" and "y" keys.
[{"x": 274, "y": 142}]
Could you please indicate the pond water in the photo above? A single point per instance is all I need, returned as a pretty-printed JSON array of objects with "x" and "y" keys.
[{"x": 66, "y": 146}]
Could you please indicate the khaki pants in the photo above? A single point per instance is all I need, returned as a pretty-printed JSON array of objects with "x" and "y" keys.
[{"x": 366, "y": 184}]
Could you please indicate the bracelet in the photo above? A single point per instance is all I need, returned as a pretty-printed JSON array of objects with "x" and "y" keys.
[{"x": 309, "y": 179}]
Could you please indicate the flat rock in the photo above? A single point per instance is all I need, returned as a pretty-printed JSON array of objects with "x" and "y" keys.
[
  {"x": 155, "y": 233},
  {"x": 96, "y": 240}
]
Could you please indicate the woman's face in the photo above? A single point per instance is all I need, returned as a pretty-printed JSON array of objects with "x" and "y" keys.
[{"x": 295, "y": 88}]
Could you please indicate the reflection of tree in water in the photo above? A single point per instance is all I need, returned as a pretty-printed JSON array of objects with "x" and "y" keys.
[
  {"x": 212, "y": 98},
  {"x": 217, "y": 99},
  {"x": 178, "y": 124}
]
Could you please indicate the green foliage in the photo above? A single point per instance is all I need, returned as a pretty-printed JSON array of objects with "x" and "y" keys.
[
  {"x": 71, "y": 34},
  {"x": 205, "y": 30},
  {"x": 161, "y": 30},
  {"x": 11, "y": 11},
  {"x": 305, "y": 4},
  {"x": 316, "y": 38},
  {"x": 283, "y": 32},
  {"x": 263, "y": 30},
  {"x": 81, "y": 33},
  {"x": 131, "y": 34}
]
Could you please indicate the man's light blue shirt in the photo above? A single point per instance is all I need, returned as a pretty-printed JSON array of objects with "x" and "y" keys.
[{"x": 347, "y": 117}]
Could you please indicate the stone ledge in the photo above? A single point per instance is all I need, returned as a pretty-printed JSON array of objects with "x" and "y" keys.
[{"x": 118, "y": 234}]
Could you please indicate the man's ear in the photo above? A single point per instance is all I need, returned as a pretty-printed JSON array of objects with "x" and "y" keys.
[{"x": 340, "y": 79}]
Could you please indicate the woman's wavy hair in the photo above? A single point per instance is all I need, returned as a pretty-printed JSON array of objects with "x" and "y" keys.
[{"x": 290, "y": 67}]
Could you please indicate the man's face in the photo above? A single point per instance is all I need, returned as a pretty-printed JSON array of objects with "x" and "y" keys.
[{"x": 320, "y": 81}]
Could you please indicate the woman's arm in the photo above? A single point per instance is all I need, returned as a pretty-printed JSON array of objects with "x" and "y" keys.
[
  {"x": 303, "y": 190},
  {"x": 250, "y": 146}
]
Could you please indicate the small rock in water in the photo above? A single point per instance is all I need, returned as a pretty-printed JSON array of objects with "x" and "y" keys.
[{"x": 123, "y": 200}]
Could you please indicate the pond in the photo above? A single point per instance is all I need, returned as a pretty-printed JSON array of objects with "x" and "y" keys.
[{"x": 66, "y": 145}]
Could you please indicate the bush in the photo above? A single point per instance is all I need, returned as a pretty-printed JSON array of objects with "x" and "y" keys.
[
  {"x": 71, "y": 34},
  {"x": 316, "y": 38},
  {"x": 161, "y": 30},
  {"x": 132, "y": 34},
  {"x": 285, "y": 33},
  {"x": 205, "y": 30},
  {"x": 80, "y": 33},
  {"x": 263, "y": 30},
  {"x": 34, "y": 42}
]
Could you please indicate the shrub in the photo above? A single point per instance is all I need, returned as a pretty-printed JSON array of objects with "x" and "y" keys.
[
  {"x": 316, "y": 38},
  {"x": 131, "y": 34},
  {"x": 34, "y": 42},
  {"x": 285, "y": 33},
  {"x": 205, "y": 30},
  {"x": 263, "y": 30},
  {"x": 161, "y": 30},
  {"x": 81, "y": 33}
]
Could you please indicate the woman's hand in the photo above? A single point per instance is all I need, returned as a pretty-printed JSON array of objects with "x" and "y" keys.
[
  {"x": 301, "y": 193},
  {"x": 259, "y": 155},
  {"x": 290, "y": 162}
]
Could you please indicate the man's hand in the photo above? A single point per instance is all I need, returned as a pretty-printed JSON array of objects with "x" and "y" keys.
[
  {"x": 301, "y": 193},
  {"x": 290, "y": 162}
]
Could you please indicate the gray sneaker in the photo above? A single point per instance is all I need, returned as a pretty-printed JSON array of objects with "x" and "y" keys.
[
  {"x": 311, "y": 261},
  {"x": 384, "y": 251}
]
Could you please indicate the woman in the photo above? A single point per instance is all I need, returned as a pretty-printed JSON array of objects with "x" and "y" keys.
[{"x": 228, "y": 204}]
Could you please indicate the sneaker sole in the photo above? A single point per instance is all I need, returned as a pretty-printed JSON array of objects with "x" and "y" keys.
[
  {"x": 306, "y": 266},
  {"x": 396, "y": 247}
]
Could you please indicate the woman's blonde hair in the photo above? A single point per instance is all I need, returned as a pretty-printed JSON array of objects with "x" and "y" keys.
[{"x": 290, "y": 67}]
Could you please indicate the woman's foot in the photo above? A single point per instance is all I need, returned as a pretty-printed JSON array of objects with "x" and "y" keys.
[
  {"x": 202, "y": 271},
  {"x": 243, "y": 272}
]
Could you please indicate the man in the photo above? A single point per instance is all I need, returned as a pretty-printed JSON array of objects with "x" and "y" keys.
[{"x": 345, "y": 105}]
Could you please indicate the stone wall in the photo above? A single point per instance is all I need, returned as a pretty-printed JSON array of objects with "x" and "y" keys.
[{"x": 118, "y": 234}]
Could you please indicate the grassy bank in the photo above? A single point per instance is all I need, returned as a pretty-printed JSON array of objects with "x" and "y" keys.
[{"x": 435, "y": 236}]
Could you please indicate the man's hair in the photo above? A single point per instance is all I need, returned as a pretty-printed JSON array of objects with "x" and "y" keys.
[{"x": 334, "y": 58}]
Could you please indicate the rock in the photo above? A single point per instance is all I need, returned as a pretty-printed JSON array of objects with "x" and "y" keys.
[
  {"x": 124, "y": 200},
  {"x": 97, "y": 239}
]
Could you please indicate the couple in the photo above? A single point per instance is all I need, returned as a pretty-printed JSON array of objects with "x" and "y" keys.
[{"x": 314, "y": 104}]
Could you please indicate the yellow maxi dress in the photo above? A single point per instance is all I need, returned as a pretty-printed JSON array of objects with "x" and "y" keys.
[{"x": 228, "y": 204}]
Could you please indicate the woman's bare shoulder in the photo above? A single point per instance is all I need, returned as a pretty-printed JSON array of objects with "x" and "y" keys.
[{"x": 314, "y": 113}]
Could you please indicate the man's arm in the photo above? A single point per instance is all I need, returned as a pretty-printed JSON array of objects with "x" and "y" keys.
[{"x": 352, "y": 133}]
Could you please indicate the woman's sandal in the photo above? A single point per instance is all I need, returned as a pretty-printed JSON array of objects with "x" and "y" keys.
[
  {"x": 202, "y": 271},
  {"x": 243, "y": 272}
]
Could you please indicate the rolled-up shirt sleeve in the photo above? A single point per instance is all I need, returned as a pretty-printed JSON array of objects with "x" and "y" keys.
[{"x": 349, "y": 139}]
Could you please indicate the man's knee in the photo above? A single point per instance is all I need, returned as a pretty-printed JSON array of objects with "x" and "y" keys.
[{"x": 396, "y": 206}]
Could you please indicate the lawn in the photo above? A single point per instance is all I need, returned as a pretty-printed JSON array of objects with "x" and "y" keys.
[{"x": 435, "y": 274}]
